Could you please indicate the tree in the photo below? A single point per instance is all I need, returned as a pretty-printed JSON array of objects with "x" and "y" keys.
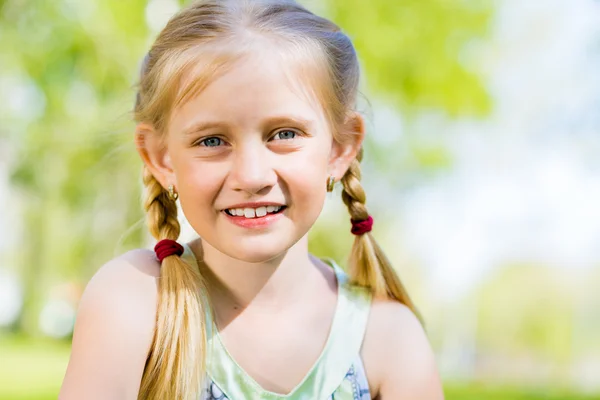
[
  {"x": 73, "y": 64},
  {"x": 79, "y": 59}
]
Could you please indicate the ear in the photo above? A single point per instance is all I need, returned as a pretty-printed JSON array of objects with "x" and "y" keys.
[
  {"x": 154, "y": 154},
  {"x": 342, "y": 154}
]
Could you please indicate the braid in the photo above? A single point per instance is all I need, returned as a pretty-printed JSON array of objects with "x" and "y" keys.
[
  {"x": 180, "y": 319},
  {"x": 368, "y": 265},
  {"x": 161, "y": 212},
  {"x": 353, "y": 194}
]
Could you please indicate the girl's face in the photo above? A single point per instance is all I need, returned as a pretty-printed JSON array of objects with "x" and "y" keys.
[{"x": 250, "y": 157}]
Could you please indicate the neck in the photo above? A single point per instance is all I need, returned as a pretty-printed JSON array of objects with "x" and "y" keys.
[{"x": 270, "y": 286}]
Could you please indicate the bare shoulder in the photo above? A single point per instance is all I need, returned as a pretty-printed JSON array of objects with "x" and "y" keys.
[
  {"x": 126, "y": 286},
  {"x": 114, "y": 329},
  {"x": 134, "y": 270},
  {"x": 397, "y": 354}
]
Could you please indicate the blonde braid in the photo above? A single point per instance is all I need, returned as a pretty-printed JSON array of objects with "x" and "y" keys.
[
  {"x": 368, "y": 264},
  {"x": 161, "y": 212},
  {"x": 175, "y": 366}
]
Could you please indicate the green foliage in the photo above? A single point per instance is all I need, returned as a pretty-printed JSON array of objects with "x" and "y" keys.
[
  {"x": 75, "y": 62},
  {"x": 420, "y": 56},
  {"x": 542, "y": 325},
  {"x": 416, "y": 52}
]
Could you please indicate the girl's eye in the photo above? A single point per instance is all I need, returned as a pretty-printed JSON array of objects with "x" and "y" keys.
[
  {"x": 282, "y": 135},
  {"x": 211, "y": 142}
]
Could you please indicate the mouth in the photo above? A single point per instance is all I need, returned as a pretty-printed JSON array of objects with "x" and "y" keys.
[{"x": 251, "y": 213}]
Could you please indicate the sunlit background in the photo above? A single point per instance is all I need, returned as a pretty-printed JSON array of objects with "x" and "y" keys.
[{"x": 482, "y": 171}]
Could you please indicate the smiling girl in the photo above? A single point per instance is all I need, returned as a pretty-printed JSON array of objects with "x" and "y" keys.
[{"x": 245, "y": 114}]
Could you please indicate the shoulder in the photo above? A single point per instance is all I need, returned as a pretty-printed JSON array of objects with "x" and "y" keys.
[
  {"x": 398, "y": 354},
  {"x": 125, "y": 287},
  {"x": 114, "y": 328},
  {"x": 135, "y": 270}
]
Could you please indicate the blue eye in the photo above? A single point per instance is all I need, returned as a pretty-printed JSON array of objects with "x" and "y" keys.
[
  {"x": 285, "y": 135},
  {"x": 211, "y": 142}
]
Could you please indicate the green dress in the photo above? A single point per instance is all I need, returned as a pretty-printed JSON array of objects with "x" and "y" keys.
[{"x": 338, "y": 373}]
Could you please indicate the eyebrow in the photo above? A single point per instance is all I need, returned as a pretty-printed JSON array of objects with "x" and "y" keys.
[
  {"x": 269, "y": 122},
  {"x": 283, "y": 120},
  {"x": 201, "y": 126}
]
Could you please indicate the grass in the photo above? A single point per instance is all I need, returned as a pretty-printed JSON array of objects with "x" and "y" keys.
[
  {"x": 31, "y": 369},
  {"x": 34, "y": 370},
  {"x": 477, "y": 392}
]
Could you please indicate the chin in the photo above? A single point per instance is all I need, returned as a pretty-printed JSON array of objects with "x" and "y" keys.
[{"x": 257, "y": 249}]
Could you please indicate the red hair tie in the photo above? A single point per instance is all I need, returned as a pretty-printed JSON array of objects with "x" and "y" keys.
[
  {"x": 362, "y": 227},
  {"x": 166, "y": 248}
]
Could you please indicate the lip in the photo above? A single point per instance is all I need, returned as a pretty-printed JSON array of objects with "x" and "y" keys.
[
  {"x": 254, "y": 223},
  {"x": 254, "y": 205}
]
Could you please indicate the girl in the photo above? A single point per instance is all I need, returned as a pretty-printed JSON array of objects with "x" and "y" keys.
[{"x": 245, "y": 114}]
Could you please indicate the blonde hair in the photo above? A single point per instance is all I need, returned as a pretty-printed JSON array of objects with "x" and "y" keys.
[{"x": 197, "y": 44}]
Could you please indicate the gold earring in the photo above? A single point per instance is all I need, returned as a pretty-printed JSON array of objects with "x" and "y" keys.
[
  {"x": 173, "y": 195},
  {"x": 330, "y": 183}
]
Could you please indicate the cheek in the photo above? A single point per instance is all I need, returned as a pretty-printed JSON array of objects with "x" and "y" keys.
[
  {"x": 306, "y": 180},
  {"x": 198, "y": 184}
]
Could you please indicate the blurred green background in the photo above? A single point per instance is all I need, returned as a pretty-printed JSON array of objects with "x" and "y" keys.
[{"x": 481, "y": 169}]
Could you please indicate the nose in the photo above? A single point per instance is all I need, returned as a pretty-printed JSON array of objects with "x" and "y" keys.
[{"x": 252, "y": 169}]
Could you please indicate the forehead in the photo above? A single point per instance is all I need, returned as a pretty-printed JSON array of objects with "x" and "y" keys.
[{"x": 258, "y": 85}]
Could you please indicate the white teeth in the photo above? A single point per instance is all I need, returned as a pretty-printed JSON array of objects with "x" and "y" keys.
[{"x": 253, "y": 212}]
